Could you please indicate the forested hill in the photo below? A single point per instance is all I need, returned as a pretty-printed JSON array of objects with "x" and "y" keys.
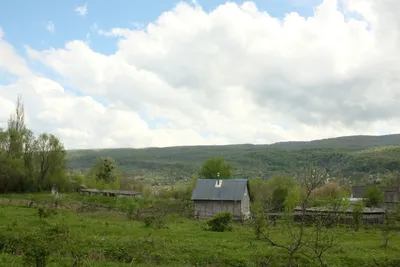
[
  {"x": 354, "y": 156},
  {"x": 345, "y": 143}
]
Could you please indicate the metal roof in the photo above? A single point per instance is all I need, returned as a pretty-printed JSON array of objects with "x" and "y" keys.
[
  {"x": 230, "y": 189},
  {"x": 348, "y": 210},
  {"x": 118, "y": 192}
]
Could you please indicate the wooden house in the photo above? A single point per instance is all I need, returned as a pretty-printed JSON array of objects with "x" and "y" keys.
[{"x": 212, "y": 196}]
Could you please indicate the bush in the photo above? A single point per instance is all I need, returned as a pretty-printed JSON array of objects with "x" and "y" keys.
[
  {"x": 132, "y": 210},
  {"x": 357, "y": 214},
  {"x": 46, "y": 212},
  {"x": 221, "y": 222},
  {"x": 156, "y": 222},
  {"x": 258, "y": 218}
]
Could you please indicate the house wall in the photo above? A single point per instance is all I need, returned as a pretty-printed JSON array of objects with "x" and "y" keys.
[
  {"x": 204, "y": 209},
  {"x": 245, "y": 204},
  {"x": 391, "y": 196}
]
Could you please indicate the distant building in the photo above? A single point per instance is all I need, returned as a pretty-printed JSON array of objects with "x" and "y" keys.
[
  {"x": 391, "y": 194},
  {"x": 212, "y": 196}
]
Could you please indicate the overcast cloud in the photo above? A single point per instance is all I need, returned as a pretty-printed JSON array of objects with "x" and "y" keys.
[{"x": 234, "y": 75}]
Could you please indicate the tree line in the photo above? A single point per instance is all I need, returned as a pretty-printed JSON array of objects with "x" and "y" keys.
[
  {"x": 34, "y": 163},
  {"x": 28, "y": 162}
]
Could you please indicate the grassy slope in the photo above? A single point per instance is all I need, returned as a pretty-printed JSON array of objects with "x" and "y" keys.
[
  {"x": 109, "y": 237},
  {"x": 253, "y": 160}
]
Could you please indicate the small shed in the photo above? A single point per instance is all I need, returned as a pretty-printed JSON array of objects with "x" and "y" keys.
[{"x": 212, "y": 196}]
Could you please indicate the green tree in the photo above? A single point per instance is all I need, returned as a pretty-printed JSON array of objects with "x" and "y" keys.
[
  {"x": 50, "y": 161},
  {"x": 373, "y": 196},
  {"x": 105, "y": 169},
  {"x": 357, "y": 212},
  {"x": 12, "y": 175},
  {"x": 29, "y": 163},
  {"x": 280, "y": 187},
  {"x": 16, "y": 130},
  {"x": 104, "y": 174},
  {"x": 214, "y": 167}
]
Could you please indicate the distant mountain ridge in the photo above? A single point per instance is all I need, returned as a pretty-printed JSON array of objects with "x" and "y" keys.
[
  {"x": 354, "y": 142},
  {"x": 350, "y": 155}
]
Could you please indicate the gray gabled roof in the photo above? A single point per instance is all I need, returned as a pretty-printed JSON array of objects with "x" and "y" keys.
[{"x": 231, "y": 189}]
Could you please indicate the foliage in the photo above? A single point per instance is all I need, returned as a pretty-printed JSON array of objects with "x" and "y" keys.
[
  {"x": 104, "y": 169},
  {"x": 357, "y": 212},
  {"x": 373, "y": 196},
  {"x": 312, "y": 243},
  {"x": 280, "y": 193},
  {"x": 345, "y": 158},
  {"x": 216, "y": 167},
  {"x": 221, "y": 222},
  {"x": 108, "y": 239},
  {"x": 44, "y": 212},
  {"x": 258, "y": 217},
  {"x": 329, "y": 190},
  {"x": 154, "y": 221},
  {"x": 388, "y": 228},
  {"x": 103, "y": 174},
  {"x": 29, "y": 163}
]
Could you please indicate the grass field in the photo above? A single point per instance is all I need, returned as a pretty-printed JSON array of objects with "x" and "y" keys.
[{"x": 104, "y": 238}]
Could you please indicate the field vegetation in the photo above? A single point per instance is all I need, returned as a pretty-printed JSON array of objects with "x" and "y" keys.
[
  {"x": 103, "y": 231},
  {"x": 66, "y": 228}
]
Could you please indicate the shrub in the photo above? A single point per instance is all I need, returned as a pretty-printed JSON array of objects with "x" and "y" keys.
[
  {"x": 156, "y": 222},
  {"x": 258, "y": 218},
  {"x": 132, "y": 210},
  {"x": 221, "y": 222},
  {"x": 358, "y": 214},
  {"x": 373, "y": 196},
  {"x": 45, "y": 212}
]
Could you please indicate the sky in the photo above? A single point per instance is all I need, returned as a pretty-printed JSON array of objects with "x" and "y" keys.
[{"x": 103, "y": 74}]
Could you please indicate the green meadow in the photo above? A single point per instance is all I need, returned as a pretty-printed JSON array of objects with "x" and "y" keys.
[{"x": 44, "y": 236}]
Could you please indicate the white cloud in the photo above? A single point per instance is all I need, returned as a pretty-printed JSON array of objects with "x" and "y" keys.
[
  {"x": 50, "y": 26},
  {"x": 81, "y": 10},
  {"x": 232, "y": 75}
]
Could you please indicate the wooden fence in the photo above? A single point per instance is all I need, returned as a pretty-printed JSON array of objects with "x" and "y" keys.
[{"x": 158, "y": 208}]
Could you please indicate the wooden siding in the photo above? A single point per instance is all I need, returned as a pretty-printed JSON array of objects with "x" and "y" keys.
[{"x": 205, "y": 209}]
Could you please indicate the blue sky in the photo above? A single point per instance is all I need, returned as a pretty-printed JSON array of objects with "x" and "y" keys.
[{"x": 24, "y": 21}]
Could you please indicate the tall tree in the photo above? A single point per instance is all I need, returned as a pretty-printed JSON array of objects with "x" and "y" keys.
[
  {"x": 49, "y": 158},
  {"x": 216, "y": 167},
  {"x": 16, "y": 130},
  {"x": 3, "y": 141},
  {"x": 104, "y": 174},
  {"x": 29, "y": 163},
  {"x": 104, "y": 169}
]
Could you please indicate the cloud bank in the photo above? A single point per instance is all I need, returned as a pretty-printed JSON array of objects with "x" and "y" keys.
[{"x": 232, "y": 75}]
